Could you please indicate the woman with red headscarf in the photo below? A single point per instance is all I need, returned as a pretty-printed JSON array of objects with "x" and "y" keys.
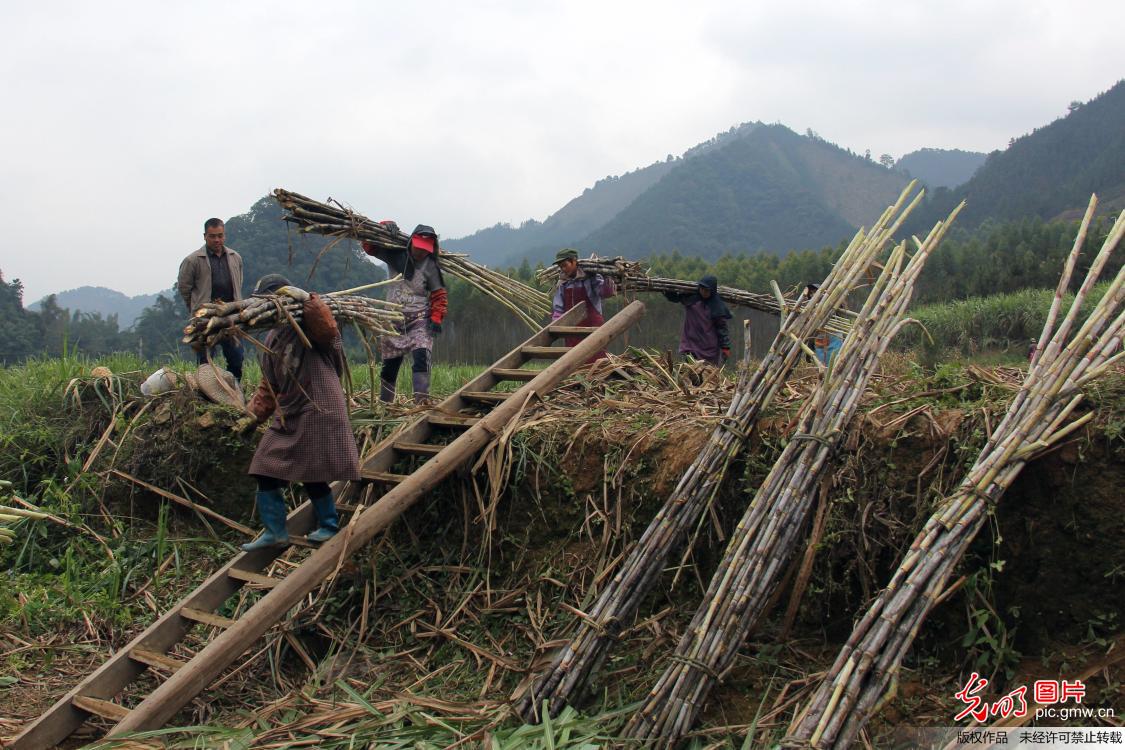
[{"x": 421, "y": 292}]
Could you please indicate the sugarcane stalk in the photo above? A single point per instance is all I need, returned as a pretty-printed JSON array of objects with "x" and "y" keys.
[
  {"x": 632, "y": 276},
  {"x": 529, "y": 305},
  {"x": 765, "y": 540},
  {"x": 211, "y": 322},
  {"x": 1039, "y": 417},
  {"x": 620, "y": 599}
]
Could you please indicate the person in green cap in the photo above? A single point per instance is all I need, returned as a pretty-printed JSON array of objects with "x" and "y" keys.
[{"x": 575, "y": 285}]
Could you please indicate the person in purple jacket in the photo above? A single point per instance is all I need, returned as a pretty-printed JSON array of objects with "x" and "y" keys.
[{"x": 704, "y": 335}]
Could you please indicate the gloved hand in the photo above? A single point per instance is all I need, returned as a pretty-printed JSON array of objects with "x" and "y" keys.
[
  {"x": 293, "y": 293},
  {"x": 435, "y": 327},
  {"x": 672, "y": 296},
  {"x": 725, "y": 352}
]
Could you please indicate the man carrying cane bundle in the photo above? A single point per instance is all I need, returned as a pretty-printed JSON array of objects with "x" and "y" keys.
[{"x": 309, "y": 439}]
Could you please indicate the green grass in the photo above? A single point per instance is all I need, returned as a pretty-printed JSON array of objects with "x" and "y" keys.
[{"x": 1002, "y": 322}]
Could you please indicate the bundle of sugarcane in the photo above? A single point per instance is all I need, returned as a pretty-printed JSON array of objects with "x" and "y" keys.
[
  {"x": 618, "y": 603},
  {"x": 865, "y": 671},
  {"x": 215, "y": 320},
  {"x": 632, "y": 276},
  {"x": 529, "y": 304},
  {"x": 765, "y": 539},
  {"x": 619, "y": 268},
  {"x": 10, "y": 516}
]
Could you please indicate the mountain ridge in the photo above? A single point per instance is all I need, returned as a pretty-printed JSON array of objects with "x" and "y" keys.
[
  {"x": 941, "y": 167},
  {"x": 101, "y": 300},
  {"x": 1048, "y": 172}
]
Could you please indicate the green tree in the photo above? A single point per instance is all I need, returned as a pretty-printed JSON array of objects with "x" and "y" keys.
[
  {"x": 159, "y": 328},
  {"x": 19, "y": 332}
]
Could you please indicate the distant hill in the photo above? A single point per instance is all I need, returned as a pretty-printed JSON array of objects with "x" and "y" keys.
[
  {"x": 769, "y": 190},
  {"x": 941, "y": 167},
  {"x": 1048, "y": 173},
  {"x": 754, "y": 187},
  {"x": 106, "y": 302},
  {"x": 502, "y": 243}
]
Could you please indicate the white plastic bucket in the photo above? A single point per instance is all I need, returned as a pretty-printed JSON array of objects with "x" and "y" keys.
[{"x": 161, "y": 381}]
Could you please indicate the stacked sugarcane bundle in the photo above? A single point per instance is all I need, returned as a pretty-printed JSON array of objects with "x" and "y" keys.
[
  {"x": 766, "y": 537},
  {"x": 530, "y": 305},
  {"x": 10, "y": 516},
  {"x": 1070, "y": 357},
  {"x": 216, "y": 320},
  {"x": 618, "y": 603},
  {"x": 633, "y": 276}
]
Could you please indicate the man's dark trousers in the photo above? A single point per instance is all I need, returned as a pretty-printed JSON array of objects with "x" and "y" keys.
[{"x": 232, "y": 351}]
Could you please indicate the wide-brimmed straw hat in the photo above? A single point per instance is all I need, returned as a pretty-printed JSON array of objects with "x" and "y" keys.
[{"x": 228, "y": 392}]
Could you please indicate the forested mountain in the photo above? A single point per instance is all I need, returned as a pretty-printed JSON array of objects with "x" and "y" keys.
[
  {"x": 771, "y": 190},
  {"x": 267, "y": 245},
  {"x": 103, "y": 301},
  {"x": 503, "y": 244},
  {"x": 1048, "y": 173},
  {"x": 941, "y": 167},
  {"x": 754, "y": 187},
  {"x": 598, "y": 204}
]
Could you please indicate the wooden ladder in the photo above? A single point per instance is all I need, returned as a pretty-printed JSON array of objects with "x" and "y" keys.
[{"x": 103, "y": 693}]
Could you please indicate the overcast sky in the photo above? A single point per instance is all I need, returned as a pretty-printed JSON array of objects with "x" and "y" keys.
[{"x": 126, "y": 124}]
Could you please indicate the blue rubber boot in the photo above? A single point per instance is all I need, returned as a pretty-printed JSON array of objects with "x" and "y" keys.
[
  {"x": 271, "y": 507},
  {"x": 328, "y": 521}
]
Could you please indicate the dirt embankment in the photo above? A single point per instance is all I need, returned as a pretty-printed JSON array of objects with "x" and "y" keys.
[{"x": 1040, "y": 587}]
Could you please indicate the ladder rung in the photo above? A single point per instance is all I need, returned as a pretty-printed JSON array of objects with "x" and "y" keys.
[
  {"x": 98, "y": 707},
  {"x": 571, "y": 330},
  {"x": 418, "y": 449},
  {"x": 382, "y": 476},
  {"x": 507, "y": 374},
  {"x": 485, "y": 397},
  {"x": 445, "y": 420},
  {"x": 255, "y": 578},
  {"x": 349, "y": 507},
  {"x": 155, "y": 659},
  {"x": 207, "y": 618},
  {"x": 545, "y": 352}
]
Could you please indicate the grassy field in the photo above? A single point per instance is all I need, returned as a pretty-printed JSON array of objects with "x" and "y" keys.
[{"x": 983, "y": 325}]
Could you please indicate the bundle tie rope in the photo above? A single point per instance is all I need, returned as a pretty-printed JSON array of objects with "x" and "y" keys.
[
  {"x": 734, "y": 427},
  {"x": 693, "y": 662},
  {"x": 825, "y": 439}
]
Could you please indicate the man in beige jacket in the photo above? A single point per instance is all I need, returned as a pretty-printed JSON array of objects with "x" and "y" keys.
[{"x": 213, "y": 273}]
